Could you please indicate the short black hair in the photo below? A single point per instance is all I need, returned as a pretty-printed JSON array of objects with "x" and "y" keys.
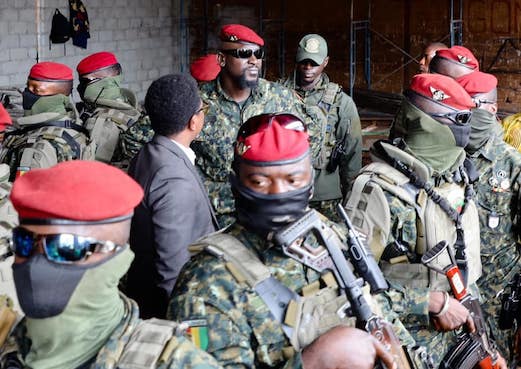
[{"x": 171, "y": 101}]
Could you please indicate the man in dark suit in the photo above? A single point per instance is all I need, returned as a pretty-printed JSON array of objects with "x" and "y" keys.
[{"x": 175, "y": 210}]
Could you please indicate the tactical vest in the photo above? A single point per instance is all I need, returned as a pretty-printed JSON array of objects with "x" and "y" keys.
[
  {"x": 368, "y": 208},
  {"x": 303, "y": 317},
  {"x": 151, "y": 344},
  {"x": 44, "y": 140},
  {"x": 325, "y": 103},
  {"x": 107, "y": 125}
]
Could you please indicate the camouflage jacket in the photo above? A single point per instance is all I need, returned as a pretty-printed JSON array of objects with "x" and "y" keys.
[
  {"x": 137, "y": 131},
  {"x": 343, "y": 128},
  {"x": 214, "y": 146},
  {"x": 497, "y": 190},
  {"x": 242, "y": 332},
  {"x": 398, "y": 231},
  {"x": 184, "y": 353}
]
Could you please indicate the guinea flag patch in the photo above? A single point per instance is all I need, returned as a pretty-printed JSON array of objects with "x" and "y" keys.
[{"x": 198, "y": 332}]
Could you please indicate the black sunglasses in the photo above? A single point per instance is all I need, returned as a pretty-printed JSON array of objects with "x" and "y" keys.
[
  {"x": 63, "y": 248},
  {"x": 461, "y": 117},
  {"x": 244, "y": 53},
  {"x": 262, "y": 121}
]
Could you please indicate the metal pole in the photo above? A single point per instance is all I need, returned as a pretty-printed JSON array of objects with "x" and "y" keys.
[
  {"x": 352, "y": 52},
  {"x": 38, "y": 45},
  {"x": 368, "y": 47}
]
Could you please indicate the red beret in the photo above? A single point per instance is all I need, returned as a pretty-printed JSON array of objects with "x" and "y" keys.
[
  {"x": 78, "y": 191},
  {"x": 95, "y": 62},
  {"x": 51, "y": 71},
  {"x": 238, "y": 32},
  {"x": 478, "y": 82},
  {"x": 442, "y": 89},
  {"x": 272, "y": 143},
  {"x": 5, "y": 118},
  {"x": 460, "y": 55},
  {"x": 205, "y": 68}
]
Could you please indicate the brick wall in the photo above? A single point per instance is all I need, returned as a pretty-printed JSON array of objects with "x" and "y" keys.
[{"x": 142, "y": 34}]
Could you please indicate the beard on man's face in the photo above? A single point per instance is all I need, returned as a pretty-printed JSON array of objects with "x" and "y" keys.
[{"x": 245, "y": 82}]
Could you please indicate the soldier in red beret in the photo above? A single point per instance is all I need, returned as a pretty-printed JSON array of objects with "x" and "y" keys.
[
  {"x": 237, "y": 94},
  {"x": 416, "y": 193},
  {"x": 70, "y": 252},
  {"x": 205, "y": 68},
  {"x": 110, "y": 112},
  {"x": 219, "y": 292},
  {"x": 498, "y": 189},
  {"x": 454, "y": 62},
  {"x": 50, "y": 130}
]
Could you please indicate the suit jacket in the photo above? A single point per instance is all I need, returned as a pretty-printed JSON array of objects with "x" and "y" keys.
[{"x": 174, "y": 212}]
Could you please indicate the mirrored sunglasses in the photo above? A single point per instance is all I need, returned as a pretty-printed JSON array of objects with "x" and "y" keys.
[
  {"x": 244, "y": 53},
  {"x": 261, "y": 122},
  {"x": 460, "y": 117},
  {"x": 61, "y": 248}
]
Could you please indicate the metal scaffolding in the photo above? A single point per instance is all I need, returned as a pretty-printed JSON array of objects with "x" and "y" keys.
[{"x": 363, "y": 27}]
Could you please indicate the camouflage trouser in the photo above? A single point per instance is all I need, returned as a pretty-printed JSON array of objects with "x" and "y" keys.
[{"x": 327, "y": 208}]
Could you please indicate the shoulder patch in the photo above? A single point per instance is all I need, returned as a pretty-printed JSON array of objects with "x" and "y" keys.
[{"x": 198, "y": 332}]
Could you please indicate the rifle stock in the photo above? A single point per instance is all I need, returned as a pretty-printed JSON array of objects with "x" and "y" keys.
[{"x": 332, "y": 258}]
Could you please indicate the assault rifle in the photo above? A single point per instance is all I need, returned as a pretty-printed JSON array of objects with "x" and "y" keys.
[
  {"x": 332, "y": 257},
  {"x": 472, "y": 350}
]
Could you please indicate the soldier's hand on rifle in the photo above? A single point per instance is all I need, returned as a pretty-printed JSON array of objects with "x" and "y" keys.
[
  {"x": 448, "y": 313},
  {"x": 345, "y": 347}
]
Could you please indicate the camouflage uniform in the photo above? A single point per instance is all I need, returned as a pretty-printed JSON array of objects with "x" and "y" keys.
[
  {"x": 242, "y": 332},
  {"x": 137, "y": 129},
  {"x": 214, "y": 146},
  {"x": 17, "y": 141},
  {"x": 343, "y": 127},
  {"x": 392, "y": 214},
  {"x": 183, "y": 355},
  {"x": 499, "y": 166},
  {"x": 8, "y": 220}
]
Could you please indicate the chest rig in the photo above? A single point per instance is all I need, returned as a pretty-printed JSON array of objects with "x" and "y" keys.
[
  {"x": 442, "y": 212},
  {"x": 303, "y": 316}
]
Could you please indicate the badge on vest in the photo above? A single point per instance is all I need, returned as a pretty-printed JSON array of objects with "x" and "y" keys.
[
  {"x": 493, "y": 220},
  {"x": 198, "y": 332}
]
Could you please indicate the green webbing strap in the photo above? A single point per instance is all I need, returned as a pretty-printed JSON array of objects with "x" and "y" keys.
[
  {"x": 241, "y": 262},
  {"x": 57, "y": 123},
  {"x": 328, "y": 98}
]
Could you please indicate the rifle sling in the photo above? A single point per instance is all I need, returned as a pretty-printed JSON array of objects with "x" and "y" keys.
[{"x": 459, "y": 246}]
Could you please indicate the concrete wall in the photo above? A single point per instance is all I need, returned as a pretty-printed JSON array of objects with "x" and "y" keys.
[{"x": 142, "y": 34}]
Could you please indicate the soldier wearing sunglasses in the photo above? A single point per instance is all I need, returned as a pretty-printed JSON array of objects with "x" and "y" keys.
[
  {"x": 237, "y": 94},
  {"x": 70, "y": 252},
  {"x": 417, "y": 192}
]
